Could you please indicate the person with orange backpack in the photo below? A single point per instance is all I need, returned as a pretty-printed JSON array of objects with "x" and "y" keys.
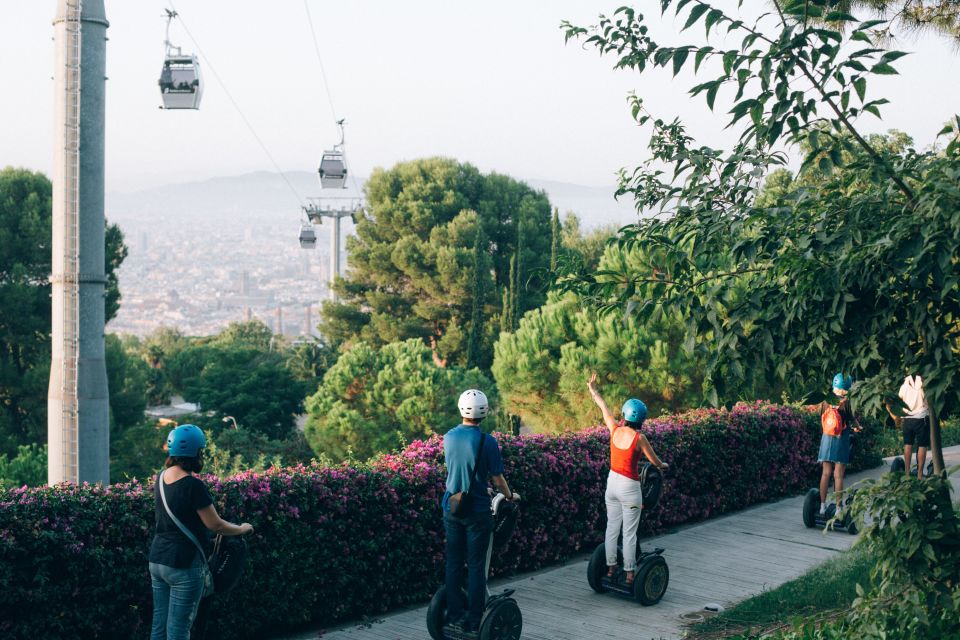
[{"x": 836, "y": 422}]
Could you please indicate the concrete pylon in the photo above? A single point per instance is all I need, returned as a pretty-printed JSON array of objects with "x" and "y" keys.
[{"x": 78, "y": 406}]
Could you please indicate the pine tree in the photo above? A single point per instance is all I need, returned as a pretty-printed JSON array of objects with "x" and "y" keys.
[{"x": 410, "y": 261}]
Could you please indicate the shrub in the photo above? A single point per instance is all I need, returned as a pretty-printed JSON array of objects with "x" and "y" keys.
[
  {"x": 333, "y": 543},
  {"x": 914, "y": 532}
]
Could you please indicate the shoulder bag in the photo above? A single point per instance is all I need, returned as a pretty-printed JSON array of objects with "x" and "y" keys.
[{"x": 222, "y": 570}]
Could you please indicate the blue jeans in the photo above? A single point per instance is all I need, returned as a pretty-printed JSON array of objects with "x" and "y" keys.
[
  {"x": 176, "y": 596},
  {"x": 467, "y": 542}
]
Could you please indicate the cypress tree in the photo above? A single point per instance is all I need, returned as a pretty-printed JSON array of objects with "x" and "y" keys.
[
  {"x": 507, "y": 322},
  {"x": 554, "y": 239},
  {"x": 516, "y": 271},
  {"x": 476, "y": 314}
]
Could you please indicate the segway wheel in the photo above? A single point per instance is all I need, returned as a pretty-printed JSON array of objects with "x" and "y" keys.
[
  {"x": 811, "y": 504},
  {"x": 851, "y": 525},
  {"x": 503, "y": 621},
  {"x": 898, "y": 465},
  {"x": 651, "y": 581},
  {"x": 597, "y": 569},
  {"x": 437, "y": 612}
]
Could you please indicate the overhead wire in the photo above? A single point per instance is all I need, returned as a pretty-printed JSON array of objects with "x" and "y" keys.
[
  {"x": 323, "y": 72},
  {"x": 326, "y": 84},
  {"x": 236, "y": 106}
]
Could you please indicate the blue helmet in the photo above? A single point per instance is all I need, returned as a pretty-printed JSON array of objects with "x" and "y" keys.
[
  {"x": 634, "y": 410},
  {"x": 842, "y": 381},
  {"x": 186, "y": 441}
]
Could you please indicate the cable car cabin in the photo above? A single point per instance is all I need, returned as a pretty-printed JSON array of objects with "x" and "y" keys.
[
  {"x": 308, "y": 236},
  {"x": 333, "y": 170},
  {"x": 181, "y": 86}
]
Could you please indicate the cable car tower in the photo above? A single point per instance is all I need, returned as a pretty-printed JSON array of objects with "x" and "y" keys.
[
  {"x": 78, "y": 433},
  {"x": 181, "y": 85},
  {"x": 335, "y": 209},
  {"x": 333, "y": 175}
]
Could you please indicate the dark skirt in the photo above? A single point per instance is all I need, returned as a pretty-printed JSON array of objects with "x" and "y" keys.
[{"x": 835, "y": 448}]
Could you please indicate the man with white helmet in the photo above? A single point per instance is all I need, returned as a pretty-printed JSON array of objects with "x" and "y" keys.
[{"x": 472, "y": 457}]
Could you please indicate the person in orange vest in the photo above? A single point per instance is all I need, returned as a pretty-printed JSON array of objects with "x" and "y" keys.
[
  {"x": 837, "y": 422},
  {"x": 624, "y": 497}
]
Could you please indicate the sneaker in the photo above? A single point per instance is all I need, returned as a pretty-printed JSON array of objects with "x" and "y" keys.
[{"x": 455, "y": 629}]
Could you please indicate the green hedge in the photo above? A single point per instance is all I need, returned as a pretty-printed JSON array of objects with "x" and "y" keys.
[{"x": 335, "y": 543}]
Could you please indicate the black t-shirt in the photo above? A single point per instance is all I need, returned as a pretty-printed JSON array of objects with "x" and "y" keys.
[{"x": 170, "y": 546}]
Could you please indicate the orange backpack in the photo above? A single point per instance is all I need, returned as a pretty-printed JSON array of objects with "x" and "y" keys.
[{"x": 832, "y": 422}]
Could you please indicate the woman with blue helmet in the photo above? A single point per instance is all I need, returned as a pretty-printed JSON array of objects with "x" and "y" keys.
[
  {"x": 624, "y": 496},
  {"x": 175, "y": 561},
  {"x": 837, "y": 422}
]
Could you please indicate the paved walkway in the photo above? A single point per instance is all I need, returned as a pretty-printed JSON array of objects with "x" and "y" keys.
[{"x": 722, "y": 560}]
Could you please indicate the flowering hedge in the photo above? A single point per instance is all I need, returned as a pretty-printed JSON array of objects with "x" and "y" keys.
[{"x": 344, "y": 542}]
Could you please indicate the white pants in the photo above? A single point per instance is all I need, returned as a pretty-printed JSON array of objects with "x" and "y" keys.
[{"x": 624, "y": 504}]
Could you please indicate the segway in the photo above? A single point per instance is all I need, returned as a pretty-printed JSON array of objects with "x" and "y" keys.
[
  {"x": 897, "y": 465},
  {"x": 652, "y": 574},
  {"x": 813, "y": 518},
  {"x": 501, "y": 616}
]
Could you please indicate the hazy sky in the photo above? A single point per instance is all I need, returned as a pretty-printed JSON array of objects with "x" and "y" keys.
[{"x": 488, "y": 82}]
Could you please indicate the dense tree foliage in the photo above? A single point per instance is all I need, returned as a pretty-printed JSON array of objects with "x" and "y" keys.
[
  {"x": 127, "y": 381},
  {"x": 857, "y": 271},
  {"x": 375, "y": 399},
  {"x": 25, "y": 235},
  {"x": 239, "y": 373},
  {"x": 244, "y": 372},
  {"x": 541, "y": 369},
  {"x": 411, "y": 262},
  {"x": 914, "y": 16}
]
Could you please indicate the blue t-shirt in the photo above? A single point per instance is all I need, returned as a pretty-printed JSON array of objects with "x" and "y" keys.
[{"x": 460, "y": 448}]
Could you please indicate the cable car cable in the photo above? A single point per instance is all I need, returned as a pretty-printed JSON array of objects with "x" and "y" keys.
[
  {"x": 326, "y": 84},
  {"x": 237, "y": 106},
  {"x": 316, "y": 48}
]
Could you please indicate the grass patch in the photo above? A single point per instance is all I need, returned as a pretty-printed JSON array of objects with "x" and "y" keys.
[{"x": 827, "y": 587}]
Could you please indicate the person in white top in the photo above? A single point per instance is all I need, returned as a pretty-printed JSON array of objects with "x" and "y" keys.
[{"x": 916, "y": 430}]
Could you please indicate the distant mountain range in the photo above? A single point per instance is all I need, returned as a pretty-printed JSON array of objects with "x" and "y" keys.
[{"x": 261, "y": 196}]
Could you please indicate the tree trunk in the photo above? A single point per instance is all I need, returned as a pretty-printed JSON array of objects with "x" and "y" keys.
[{"x": 936, "y": 453}]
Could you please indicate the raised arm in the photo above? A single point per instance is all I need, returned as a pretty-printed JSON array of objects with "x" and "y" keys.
[{"x": 607, "y": 416}]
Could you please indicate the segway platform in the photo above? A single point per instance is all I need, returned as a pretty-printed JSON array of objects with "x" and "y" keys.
[
  {"x": 649, "y": 582},
  {"x": 652, "y": 575},
  {"x": 501, "y": 619},
  {"x": 897, "y": 465},
  {"x": 813, "y": 518}
]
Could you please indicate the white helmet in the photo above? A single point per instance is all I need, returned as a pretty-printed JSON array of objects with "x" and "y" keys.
[{"x": 473, "y": 404}]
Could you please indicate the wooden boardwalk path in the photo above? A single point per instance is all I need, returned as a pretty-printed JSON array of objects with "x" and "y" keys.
[{"x": 723, "y": 560}]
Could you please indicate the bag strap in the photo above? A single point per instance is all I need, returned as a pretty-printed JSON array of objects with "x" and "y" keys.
[
  {"x": 476, "y": 463},
  {"x": 176, "y": 521}
]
